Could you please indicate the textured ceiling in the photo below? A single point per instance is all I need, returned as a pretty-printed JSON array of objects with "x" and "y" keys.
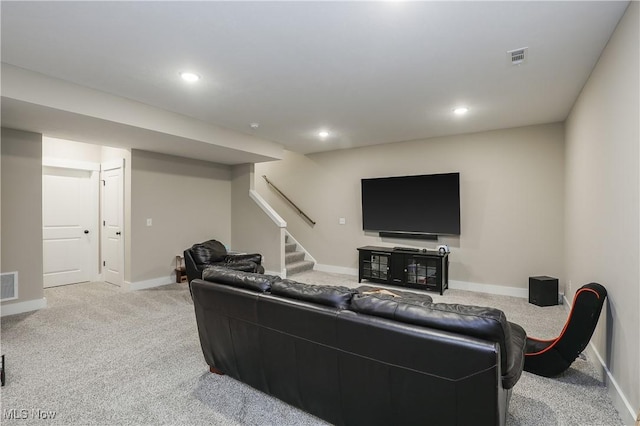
[{"x": 369, "y": 72}]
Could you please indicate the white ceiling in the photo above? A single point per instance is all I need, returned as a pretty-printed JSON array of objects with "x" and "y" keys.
[{"x": 369, "y": 72}]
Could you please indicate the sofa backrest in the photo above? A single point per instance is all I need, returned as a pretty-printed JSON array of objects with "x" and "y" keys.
[
  {"x": 327, "y": 295},
  {"x": 474, "y": 321},
  {"x": 484, "y": 323},
  {"x": 247, "y": 280}
]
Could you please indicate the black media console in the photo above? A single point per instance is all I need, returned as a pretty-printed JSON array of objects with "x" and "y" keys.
[{"x": 414, "y": 268}]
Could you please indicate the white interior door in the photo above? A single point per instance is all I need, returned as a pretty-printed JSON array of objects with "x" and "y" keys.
[
  {"x": 69, "y": 218},
  {"x": 112, "y": 222}
]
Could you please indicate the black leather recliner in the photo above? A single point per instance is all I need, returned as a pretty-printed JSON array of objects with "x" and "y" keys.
[
  {"x": 549, "y": 358},
  {"x": 214, "y": 253}
]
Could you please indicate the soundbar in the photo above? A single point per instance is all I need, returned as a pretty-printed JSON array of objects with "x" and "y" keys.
[{"x": 407, "y": 235}]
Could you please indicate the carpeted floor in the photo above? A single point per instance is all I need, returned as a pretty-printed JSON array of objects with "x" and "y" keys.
[{"x": 98, "y": 355}]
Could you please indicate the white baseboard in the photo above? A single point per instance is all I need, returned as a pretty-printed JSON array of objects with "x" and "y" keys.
[
  {"x": 20, "y": 307},
  {"x": 155, "y": 282},
  {"x": 620, "y": 401},
  {"x": 458, "y": 285},
  {"x": 489, "y": 288},
  {"x": 336, "y": 269}
]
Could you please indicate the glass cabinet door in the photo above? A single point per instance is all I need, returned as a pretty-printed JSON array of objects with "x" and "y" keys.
[
  {"x": 421, "y": 271},
  {"x": 380, "y": 266},
  {"x": 376, "y": 266}
]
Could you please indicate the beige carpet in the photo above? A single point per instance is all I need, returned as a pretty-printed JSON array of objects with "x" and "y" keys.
[{"x": 100, "y": 356}]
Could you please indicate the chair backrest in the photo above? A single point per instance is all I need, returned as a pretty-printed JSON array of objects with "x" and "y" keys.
[
  {"x": 200, "y": 255},
  {"x": 208, "y": 252},
  {"x": 585, "y": 311}
]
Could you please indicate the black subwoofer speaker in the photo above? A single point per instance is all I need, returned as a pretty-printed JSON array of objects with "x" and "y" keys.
[{"x": 543, "y": 291}]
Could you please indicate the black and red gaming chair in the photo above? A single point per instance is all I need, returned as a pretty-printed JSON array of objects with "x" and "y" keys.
[{"x": 551, "y": 357}]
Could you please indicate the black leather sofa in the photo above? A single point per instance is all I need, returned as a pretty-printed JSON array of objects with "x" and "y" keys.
[
  {"x": 214, "y": 253},
  {"x": 355, "y": 358}
]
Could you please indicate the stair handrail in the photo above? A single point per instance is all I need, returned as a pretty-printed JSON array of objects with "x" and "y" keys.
[{"x": 299, "y": 210}]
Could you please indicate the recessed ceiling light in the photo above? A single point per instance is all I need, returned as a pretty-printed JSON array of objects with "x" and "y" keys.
[
  {"x": 254, "y": 125},
  {"x": 461, "y": 110},
  {"x": 189, "y": 77},
  {"x": 323, "y": 134}
]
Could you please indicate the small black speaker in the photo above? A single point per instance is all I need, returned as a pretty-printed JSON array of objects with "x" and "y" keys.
[{"x": 543, "y": 291}]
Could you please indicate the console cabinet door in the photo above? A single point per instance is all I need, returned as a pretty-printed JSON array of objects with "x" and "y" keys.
[
  {"x": 375, "y": 266},
  {"x": 422, "y": 271},
  {"x": 399, "y": 269}
]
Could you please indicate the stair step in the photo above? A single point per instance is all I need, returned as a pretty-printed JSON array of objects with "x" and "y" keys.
[
  {"x": 293, "y": 257},
  {"x": 297, "y": 267},
  {"x": 289, "y": 247}
]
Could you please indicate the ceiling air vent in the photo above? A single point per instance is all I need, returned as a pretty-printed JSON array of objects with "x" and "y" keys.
[{"x": 518, "y": 56}]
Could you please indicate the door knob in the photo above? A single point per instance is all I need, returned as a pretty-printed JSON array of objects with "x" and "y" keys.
[
  {"x": 118, "y": 233},
  {"x": 86, "y": 231}
]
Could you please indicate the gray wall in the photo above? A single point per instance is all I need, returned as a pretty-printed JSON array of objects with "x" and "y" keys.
[
  {"x": 251, "y": 229},
  {"x": 188, "y": 202},
  {"x": 22, "y": 211},
  {"x": 603, "y": 191},
  {"x": 512, "y": 191}
]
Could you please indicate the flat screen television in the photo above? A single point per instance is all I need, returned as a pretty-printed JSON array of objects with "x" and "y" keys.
[{"x": 423, "y": 204}]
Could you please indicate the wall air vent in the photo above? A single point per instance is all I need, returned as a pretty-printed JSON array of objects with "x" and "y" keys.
[
  {"x": 8, "y": 286},
  {"x": 518, "y": 56}
]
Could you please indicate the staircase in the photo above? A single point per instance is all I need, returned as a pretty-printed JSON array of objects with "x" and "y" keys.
[{"x": 294, "y": 261}]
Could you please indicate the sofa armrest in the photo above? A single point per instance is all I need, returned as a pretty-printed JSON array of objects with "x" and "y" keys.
[
  {"x": 252, "y": 257},
  {"x": 515, "y": 355},
  {"x": 190, "y": 265}
]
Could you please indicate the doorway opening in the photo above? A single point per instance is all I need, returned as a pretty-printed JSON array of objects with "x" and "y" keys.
[{"x": 83, "y": 213}]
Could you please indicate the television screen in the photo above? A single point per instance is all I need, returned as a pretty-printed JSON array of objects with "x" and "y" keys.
[{"x": 424, "y": 204}]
